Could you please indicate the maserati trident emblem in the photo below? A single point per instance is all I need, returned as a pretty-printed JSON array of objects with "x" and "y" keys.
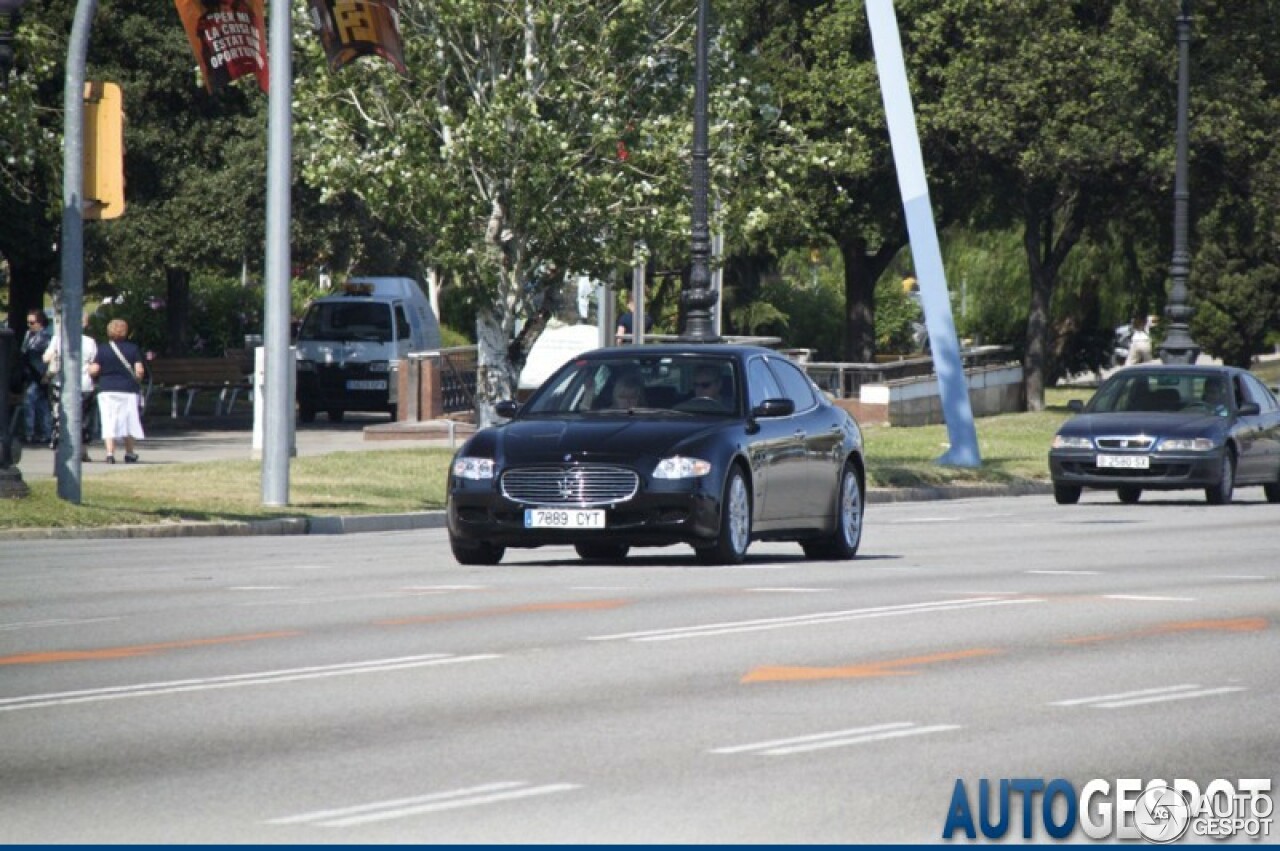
[{"x": 571, "y": 485}]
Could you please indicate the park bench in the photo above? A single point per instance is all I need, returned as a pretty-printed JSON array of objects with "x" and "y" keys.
[{"x": 227, "y": 376}]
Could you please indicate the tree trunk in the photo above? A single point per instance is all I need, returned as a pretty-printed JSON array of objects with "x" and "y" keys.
[
  {"x": 1045, "y": 256},
  {"x": 861, "y": 271},
  {"x": 177, "y": 311},
  {"x": 496, "y": 377}
]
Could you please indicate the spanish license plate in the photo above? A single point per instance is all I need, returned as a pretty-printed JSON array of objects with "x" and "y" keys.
[
  {"x": 1124, "y": 462},
  {"x": 366, "y": 385},
  {"x": 563, "y": 518}
]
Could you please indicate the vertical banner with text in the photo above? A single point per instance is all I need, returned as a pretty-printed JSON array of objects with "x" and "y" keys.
[
  {"x": 228, "y": 38},
  {"x": 350, "y": 29}
]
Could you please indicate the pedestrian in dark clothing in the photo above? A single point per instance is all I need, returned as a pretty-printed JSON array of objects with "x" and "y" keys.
[{"x": 37, "y": 416}]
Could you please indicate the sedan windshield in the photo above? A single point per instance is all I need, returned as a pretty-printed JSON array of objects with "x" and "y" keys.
[
  {"x": 632, "y": 383},
  {"x": 1164, "y": 392}
]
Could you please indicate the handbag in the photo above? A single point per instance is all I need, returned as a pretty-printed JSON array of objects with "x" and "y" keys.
[{"x": 129, "y": 369}]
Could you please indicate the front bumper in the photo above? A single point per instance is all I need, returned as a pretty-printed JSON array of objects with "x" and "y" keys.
[
  {"x": 1168, "y": 470},
  {"x": 672, "y": 513},
  {"x": 353, "y": 387}
]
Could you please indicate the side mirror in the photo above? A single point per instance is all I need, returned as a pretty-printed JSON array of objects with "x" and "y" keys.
[
  {"x": 506, "y": 409},
  {"x": 774, "y": 408},
  {"x": 1250, "y": 409},
  {"x": 1075, "y": 406}
]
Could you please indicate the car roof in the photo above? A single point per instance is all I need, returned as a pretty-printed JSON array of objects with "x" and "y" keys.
[
  {"x": 724, "y": 350},
  {"x": 1196, "y": 369}
]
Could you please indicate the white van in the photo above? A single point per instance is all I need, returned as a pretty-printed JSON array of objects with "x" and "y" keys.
[{"x": 350, "y": 345}]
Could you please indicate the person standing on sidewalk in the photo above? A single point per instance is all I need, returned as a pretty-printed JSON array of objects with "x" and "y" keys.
[
  {"x": 37, "y": 416},
  {"x": 119, "y": 371},
  {"x": 53, "y": 363},
  {"x": 1139, "y": 342}
]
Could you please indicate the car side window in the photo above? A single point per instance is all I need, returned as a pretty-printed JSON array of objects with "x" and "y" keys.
[
  {"x": 762, "y": 383},
  {"x": 794, "y": 383},
  {"x": 1259, "y": 393},
  {"x": 402, "y": 324}
]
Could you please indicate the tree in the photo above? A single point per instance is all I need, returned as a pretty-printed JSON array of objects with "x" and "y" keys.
[
  {"x": 1050, "y": 104},
  {"x": 824, "y": 165},
  {"x": 527, "y": 141}
]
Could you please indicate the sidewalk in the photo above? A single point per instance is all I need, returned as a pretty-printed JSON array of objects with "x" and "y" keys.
[{"x": 231, "y": 438}]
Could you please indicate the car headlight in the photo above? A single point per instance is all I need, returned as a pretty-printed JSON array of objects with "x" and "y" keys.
[
  {"x": 306, "y": 366},
  {"x": 680, "y": 467},
  {"x": 1061, "y": 441},
  {"x": 1186, "y": 444},
  {"x": 473, "y": 468},
  {"x": 379, "y": 366}
]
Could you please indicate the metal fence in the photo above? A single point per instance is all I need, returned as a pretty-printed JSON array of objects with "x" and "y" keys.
[
  {"x": 457, "y": 376},
  {"x": 845, "y": 380}
]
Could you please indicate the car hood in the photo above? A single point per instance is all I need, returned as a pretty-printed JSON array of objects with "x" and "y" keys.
[
  {"x": 593, "y": 438},
  {"x": 1164, "y": 425}
]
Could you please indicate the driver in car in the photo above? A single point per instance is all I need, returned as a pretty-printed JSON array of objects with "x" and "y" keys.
[{"x": 707, "y": 385}]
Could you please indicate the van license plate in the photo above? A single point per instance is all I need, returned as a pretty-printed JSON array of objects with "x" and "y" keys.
[
  {"x": 563, "y": 518},
  {"x": 1125, "y": 462},
  {"x": 366, "y": 385}
]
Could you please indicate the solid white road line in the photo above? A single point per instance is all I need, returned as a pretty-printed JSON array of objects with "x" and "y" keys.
[
  {"x": 1144, "y": 696},
  {"x": 13, "y": 627},
  {"x": 837, "y": 739},
  {"x": 815, "y": 619},
  {"x": 473, "y": 796},
  {"x": 1152, "y": 598},
  {"x": 373, "y": 666}
]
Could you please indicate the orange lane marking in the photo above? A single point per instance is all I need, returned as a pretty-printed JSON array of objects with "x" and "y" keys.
[
  {"x": 887, "y": 668},
  {"x": 135, "y": 650},
  {"x": 1226, "y": 625},
  {"x": 576, "y": 606}
]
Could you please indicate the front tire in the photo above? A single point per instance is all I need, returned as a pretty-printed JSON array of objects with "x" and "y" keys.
[
  {"x": 731, "y": 544},
  {"x": 1066, "y": 494},
  {"x": 842, "y": 543},
  {"x": 1129, "y": 495},
  {"x": 1220, "y": 493},
  {"x": 475, "y": 552}
]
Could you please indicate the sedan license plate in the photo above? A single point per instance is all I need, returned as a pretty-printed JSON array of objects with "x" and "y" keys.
[
  {"x": 1124, "y": 462},
  {"x": 563, "y": 518},
  {"x": 366, "y": 385}
]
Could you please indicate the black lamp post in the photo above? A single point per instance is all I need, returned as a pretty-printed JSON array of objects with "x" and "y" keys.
[
  {"x": 8, "y": 24},
  {"x": 1178, "y": 347},
  {"x": 699, "y": 297},
  {"x": 11, "y": 483}
]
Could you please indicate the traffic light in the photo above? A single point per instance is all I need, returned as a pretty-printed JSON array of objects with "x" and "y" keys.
[{"x": 103, "y": 151}]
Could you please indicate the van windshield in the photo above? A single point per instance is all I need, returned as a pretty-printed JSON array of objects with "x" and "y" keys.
[{"x": 365, "y": 321}]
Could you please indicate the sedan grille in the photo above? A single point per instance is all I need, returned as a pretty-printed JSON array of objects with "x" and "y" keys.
[
  {"x": 1138, "y": 442},
  {"x": 570, "y": 485}
]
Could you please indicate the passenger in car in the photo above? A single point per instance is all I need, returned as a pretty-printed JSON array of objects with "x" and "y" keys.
[{"x": 628, "y": 393}]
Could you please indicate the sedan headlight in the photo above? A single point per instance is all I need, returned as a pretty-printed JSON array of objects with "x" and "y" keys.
[
  {"x": 680, "y": 467},
  {"x": 1061, "y": 441},
  {"x": 1186, "y": 444},
  {"x": 473, "y": 468}
]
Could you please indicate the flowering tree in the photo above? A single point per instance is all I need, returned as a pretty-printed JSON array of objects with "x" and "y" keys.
[{"x": 529, "y": 139}]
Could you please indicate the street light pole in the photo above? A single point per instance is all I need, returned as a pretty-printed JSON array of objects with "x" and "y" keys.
[
  {"x": 699, "y": 297},
  {"x": 1178, "y": 347}
]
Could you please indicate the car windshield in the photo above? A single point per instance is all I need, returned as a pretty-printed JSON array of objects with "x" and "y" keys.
[
  {"x": 1162, "y": 392},
  {"x": 346, "y": 321},
  {"x": 626, "y": 384}
]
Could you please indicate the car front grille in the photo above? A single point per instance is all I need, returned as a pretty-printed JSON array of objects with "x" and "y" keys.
[
  {"x": 570, "y": 485},
  {"x": 1130, "y": 442}
]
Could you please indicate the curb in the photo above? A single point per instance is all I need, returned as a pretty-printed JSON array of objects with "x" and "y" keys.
[{"x": 361, "y": 523}]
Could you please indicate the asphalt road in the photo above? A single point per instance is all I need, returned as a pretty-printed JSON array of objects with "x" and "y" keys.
[{"x": 365, "y": 688}]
